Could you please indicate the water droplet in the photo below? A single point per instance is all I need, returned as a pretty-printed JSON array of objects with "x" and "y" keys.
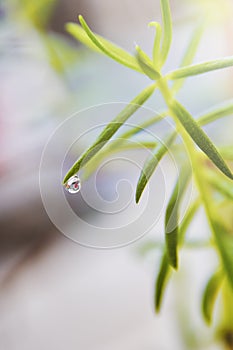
[{"x": 73, "y": 185}]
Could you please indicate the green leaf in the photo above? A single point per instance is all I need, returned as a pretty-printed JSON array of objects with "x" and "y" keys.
[
  {"x": 200, "y": 68},
  {"x": 221, "y": 185},
  {"x": 218, "y": 112},
  {"x": 121, "y": 143},
  {"x": 161, "y": 281},
  {"x": 199, "y": 137},
  {"x": 165, "y": 268},
  {"x": 227, "y": 152},
  {"x": 224, "y": 244},
  {"x": 189, "y": 54},
  {"x": 151, "y": 164},
  {"x": 115, "y": 146},
  {"x": 111, "y": 129},
  {"x": 141, "y": 127},
  {"x": 167, "y": 30},
  {"x": 172, "y": 216},
  {"x": 146, "y": 64},
  {"x": 187, "y": 220},
  {"x": 210, "y": 294},
  {"x": 157, "y": 42},
  {"x": 101, "y": 45}
]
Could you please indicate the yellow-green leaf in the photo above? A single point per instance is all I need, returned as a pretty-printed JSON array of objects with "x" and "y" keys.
[
  {"x": 218, "y": 112},
  {"x": 167, "y": 30},
  {"x": 190, "y": 53},
  {"x": 210, "y": 295},
  {"x": 146, "y": 64},
  {"x": 161, "y": 281},
  {"x": 172, "y": 216},
  {"x": 101, "y": 45},
  {"x": 157, "y": 42},
  {"x": 151, "y": 164},
  {"x": 165, "y": 269},
  {"x": 200, "y": 68},
  {"x": 224, "y": 244},
  {"x": 111, "y": 129}
]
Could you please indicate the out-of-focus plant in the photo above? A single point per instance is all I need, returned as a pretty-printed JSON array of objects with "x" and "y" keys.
[
  {"x": 210, "y": 165},
  {"x": 37, "y": 15}
]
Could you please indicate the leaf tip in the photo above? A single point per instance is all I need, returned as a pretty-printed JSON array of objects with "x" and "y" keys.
[{"x": 137, "y": 196}]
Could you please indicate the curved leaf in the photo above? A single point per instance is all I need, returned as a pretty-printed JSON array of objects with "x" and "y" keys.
[
  {"x": 210, "y": 295},
  {"x": 151, "y": 164},
  {"x": 200, "y": 138},
  {"x": 111, "y": 129},
  {"x": 101, "y": 45}
]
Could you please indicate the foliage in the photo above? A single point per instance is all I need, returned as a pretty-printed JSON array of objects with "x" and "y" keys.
[{"x": 211, "y": 170}]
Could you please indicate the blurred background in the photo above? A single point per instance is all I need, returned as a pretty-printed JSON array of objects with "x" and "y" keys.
[{"x": 54, "y": 293}]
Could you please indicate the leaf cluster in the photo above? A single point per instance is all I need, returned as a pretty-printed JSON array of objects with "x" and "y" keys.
[{"x": 211, "y": 177}]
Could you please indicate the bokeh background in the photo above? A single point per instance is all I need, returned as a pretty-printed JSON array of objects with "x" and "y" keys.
[{"x": 54, "y": 293}]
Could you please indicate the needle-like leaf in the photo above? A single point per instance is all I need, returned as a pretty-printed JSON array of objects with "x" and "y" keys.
[
  {"x": 210, "y": 294},
  {"x": 200, "y": 68},
  {"x": 189, "y": 54},
  {"x": 199, "y": 137},
  {"x": 151, "y": 164},
  {"x": 172, "y": 216},
  {"x": 146, "y": 64},
  {"x": 111, "y": 129},
  {"x": 218, "y": 112},
  {"x": 224, "y": 244},
  {"x": 101, "y": 45},
  {"x": 161, "y": 281},
  {"x": 157, "y": 42},
  {"x": 224, "y": 186},
  {"x": 167, "y": 30},
  {"x": 165, "y": 268}
]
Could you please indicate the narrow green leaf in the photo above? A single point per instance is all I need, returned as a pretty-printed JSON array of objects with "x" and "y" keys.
[
  {"x": 157, "y": 42},
  {"x": 189, "y": 54},
  {"x": 227, "y": 152},
  {"x": 224, "y": 244},
  {"x": 111, "y": 129},
  {"x": 210, "y": 294},
  {"x": 167, "y": 30},
  {"x": 221, "y": 185},
  {"x": 101, "y": 45},
  {"x": 151, "y": 164},
  {"x": 141, "y": 127},
  {"x": 187, "y": 220},
  {"x": 161, "y": 281},
  {"x": 172, "y": 216},
  {"x": 200, "y": 138},
  {"x": 146, "y": 64},
  {"x": 121, "y": 143},
  {"x": 165, "y": 269},
  {"x": 200, "y": 68},
  {"x": 115, "y": 146},
  {"x": 218, "y": 112}
]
